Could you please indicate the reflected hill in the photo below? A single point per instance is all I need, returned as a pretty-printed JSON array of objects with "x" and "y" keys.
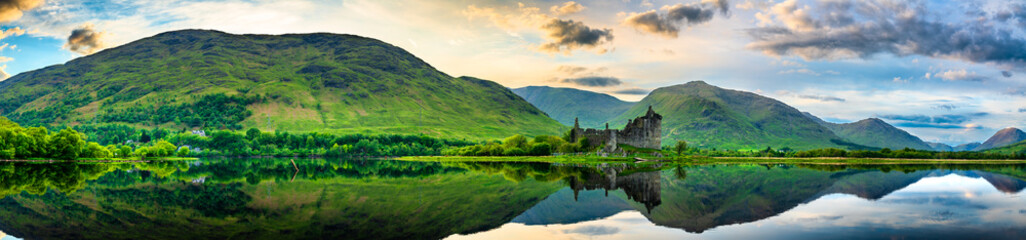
[
  {"x": 699, "y": 198},
  {"x": 262, "y": 199},
  {"x": 368, "y": 199}
]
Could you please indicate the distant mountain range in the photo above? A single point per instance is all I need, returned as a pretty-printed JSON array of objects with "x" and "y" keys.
[
  {"x": 565, "y": 104},
  {"x": 874, "y": 132},
  {"x": 349, "y": 84},
  {"x": 711, "y": 117},
  {"x": 297, "y": 82}
]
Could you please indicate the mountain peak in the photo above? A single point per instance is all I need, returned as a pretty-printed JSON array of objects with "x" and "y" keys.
[{"x": 1003, "y": 138}]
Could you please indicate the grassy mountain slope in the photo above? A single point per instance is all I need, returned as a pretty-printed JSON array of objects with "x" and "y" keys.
[
  {"x": 1005, "y": 137},
  {"x": 874, "y": 132},
  {"x": 297, "y": 82},
  {"x": 712, "y": 117},
  {"x": 564, "y": 104},
  {"x": 1014, "y": 148}
]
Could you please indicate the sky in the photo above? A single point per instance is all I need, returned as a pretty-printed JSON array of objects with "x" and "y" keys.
[{"x": 946, "y": 71}]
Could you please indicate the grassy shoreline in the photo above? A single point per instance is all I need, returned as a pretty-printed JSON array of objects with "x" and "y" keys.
[{"x": 709, "y": 160}]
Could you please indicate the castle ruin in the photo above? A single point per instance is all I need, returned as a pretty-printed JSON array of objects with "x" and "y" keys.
[{"x": 642, "y": 132}]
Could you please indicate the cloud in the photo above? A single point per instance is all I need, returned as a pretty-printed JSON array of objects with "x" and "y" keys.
[
  {"x": 567, "y": 8},
  {"x": 749, "y": 5},
  {"x": 570, "y": 69},
  {"x": 723, "y": 5},
  {"x": 669, "y": 23},
  {"x": 593, "y": 230},
  {"x": 84, "y": 40},
  {"x": 15, "y": 31},
  {"x": 568, "y": 35},
  {"x": 938, "y": 126},
  {"x": 632, "y": 91},
  {"x": 1016, "y": 91},
  {"x": 821, "y": 98},
  {"x": 959, "y": 75},
  {"x": 564, "y": 36},
  {"x": 1006, "y": 74},
  {"x": 948, "y": 107},
  {"x": 1014, "y": 12},
  {"x": 860, "y": 29},
  {"x": 807, "y": 71},
  {"x": 3, "y": 73},
  {"x": 522, "y": 17},
  {"x": 594, "y": 81},
  {"x": 11, "y": 10},
  {"x": 938, "y": 119}
]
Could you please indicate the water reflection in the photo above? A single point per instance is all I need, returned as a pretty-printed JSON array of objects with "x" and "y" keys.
[{"x": 368, "y": 199}]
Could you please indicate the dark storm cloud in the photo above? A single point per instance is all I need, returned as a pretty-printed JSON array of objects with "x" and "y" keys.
[
  {"x": 822, "y": 98},
  {"x": 84, "y": 40},
  {"x": 674, "y": 17},
  {"x": 938, "y": 119},
  {"x": 633, "y": 91},
  {"x": 594, "y": 81},
  {"x": 11, "y": 10},
  {"x": 567, "y": 35},
  {"x": 1014, "y": 12},
  {"x": 861, "y": 29}
]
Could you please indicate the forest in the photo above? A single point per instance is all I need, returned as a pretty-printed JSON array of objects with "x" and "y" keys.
[{"x": 120, "y": 141}]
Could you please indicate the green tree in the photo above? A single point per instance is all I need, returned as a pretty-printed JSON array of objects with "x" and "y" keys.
[
  {"x": 680, "y": 147},
  {"x": 515, "y": 141},
  {"x": 183, "y": 152},
  {"x": 67, "y": 144},
  {"x": 124, "y": 151},
  {"x": 252, "y": 134}
]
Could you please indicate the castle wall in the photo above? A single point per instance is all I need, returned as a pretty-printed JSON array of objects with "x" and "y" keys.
[{"x": 642, "y": 132}]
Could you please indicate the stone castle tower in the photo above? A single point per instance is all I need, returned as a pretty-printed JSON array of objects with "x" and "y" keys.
[{"x": 642, "y": 132}]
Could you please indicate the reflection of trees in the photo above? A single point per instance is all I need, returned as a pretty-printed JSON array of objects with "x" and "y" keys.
[{"x": 36, "y": 178}]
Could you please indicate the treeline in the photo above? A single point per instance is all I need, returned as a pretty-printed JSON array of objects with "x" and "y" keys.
[
  {"x": 906, "y": 153},
  {"x": 215, "y": 110},
  {"x": 518, "y": 145},
  {"x": 119, "y": 141},
  {"x": 38, "y": 142},
  {"x": 254, "y": 142}
]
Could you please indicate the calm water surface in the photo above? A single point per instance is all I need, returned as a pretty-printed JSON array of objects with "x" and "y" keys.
[{"x": 380, "y": 199}]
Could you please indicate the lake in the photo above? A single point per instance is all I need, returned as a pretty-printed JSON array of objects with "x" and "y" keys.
[{"x": 385, "y": 199}]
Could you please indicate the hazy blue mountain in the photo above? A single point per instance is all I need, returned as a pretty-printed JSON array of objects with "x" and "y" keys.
[
  {"x": 966, "y": 147},
  {"x": 564, "y": 104},
  {"x": 940, "y": 147}
]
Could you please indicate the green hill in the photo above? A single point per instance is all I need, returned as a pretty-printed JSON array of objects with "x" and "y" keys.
[
  {"x": 297, "y": 82},
  {"x": 564, "y": 104},
  {"x": 874, "y": 132},
  {"x": 711, "y": 117},
  {"x": 1016, "y": 148},
  {"x": 1005, "y": 137}
]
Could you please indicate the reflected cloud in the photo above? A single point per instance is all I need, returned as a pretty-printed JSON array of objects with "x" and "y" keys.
[{"x": 593, "y": 230}]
